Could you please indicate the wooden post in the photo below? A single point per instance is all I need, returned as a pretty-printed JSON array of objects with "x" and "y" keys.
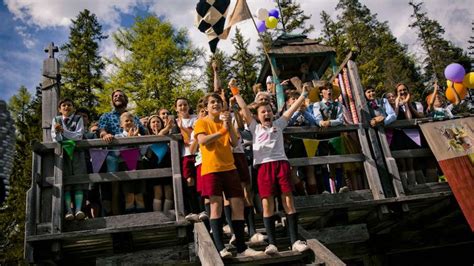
[
  {"x": 204, "y": 246},
  {"x": 50, "y": 90},
  {"x": 280, "y": 94},
  {"x": 321, "y": 252},
  {"x": 177, "y": 180}
]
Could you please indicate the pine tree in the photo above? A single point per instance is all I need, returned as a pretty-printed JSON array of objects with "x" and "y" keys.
[
  {"x": 223, "y": 61},
  {"x": 333, "y": 36},
  {"x": 82, "y": 68},
  {"x": 471, "y": 47},
  {"x": 155, "y": 67},
  {"x": 439, "y": 51},
  {"x": 243, "y": 65}
]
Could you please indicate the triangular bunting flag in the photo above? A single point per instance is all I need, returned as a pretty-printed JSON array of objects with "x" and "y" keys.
[
  {"x": 69, "y": 146},
  {"x": 97, "y": 158},
  {"x": 311, "y": 146},
  {"x": 389, "y": 135},
  {"x": 130, "y": 157},
  {"x": 414, "y": 135},
  {"x": 471, "y": 158},
  {"x": 336, "y": 143},
  {"x": 160, "y": 150}
]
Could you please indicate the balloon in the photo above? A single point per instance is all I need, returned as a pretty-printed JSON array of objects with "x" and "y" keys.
[
  {"x": 454, "y": 72},
  {"x": 274, "y": 13},
  {"x": 469, "y": 80},
  {"x": 455, "y": 87},
  {"x": 261, "y": 26},
  {"x": 262, "y": 14},
  {"x": 271, "y": 22}
]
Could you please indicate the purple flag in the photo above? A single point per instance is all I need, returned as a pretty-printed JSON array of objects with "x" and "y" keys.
[
  {"x": 389, "y": 135},
  {"x": 97, "y": 158},
  {"x": 130, "y": 156},
  {"x": 413, "y": 134}
]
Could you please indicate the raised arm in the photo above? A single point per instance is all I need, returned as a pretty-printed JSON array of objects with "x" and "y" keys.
[
  {"x": 296, "y": 105},
  {"x": 241, "y": 102}
]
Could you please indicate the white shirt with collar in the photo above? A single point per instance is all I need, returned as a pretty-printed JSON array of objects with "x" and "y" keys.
[{"x": 318, "y": 116}]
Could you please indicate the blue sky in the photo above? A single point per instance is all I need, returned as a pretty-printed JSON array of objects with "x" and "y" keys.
[{"x": 27, "y": 26}]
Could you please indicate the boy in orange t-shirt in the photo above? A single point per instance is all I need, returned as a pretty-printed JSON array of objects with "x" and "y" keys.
[{"x": 216, "y": 137}]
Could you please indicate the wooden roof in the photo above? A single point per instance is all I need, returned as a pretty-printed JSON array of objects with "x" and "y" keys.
[{"x": 298, "y": 44}]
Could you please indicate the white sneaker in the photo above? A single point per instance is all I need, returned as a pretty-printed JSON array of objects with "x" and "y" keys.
[
  {"x": 232, "y": 240},
  {"x": 192, "y": 217},
  {"x": 226, "y": 229},
  {"x": 69, "y": 216},
  {"x": 271, "y": 249},
  {"x": 225, "y": 253},
  {"x": 344, "y": 189},
  {"x": 299, "y": 246},
  {"x": 326, "y": 192},
  {"x": 203, "y": 216},
  {"x": 257, "y": 238},
  {"x": 250, "y": 253},
  {"x": 80, "y": 215}
]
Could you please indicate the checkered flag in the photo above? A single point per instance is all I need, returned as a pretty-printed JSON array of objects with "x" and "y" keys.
[{"x": 211, "y": 18}]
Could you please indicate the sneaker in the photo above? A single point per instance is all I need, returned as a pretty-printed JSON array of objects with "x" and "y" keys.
[
  {"x": 257, "y": 238},
  {"x": 69, "y": 216},
  {"x": 203, "y": 216},
  {"x": 225, "y": 253},
  {"x": 299, "y": 246},
  {"x": 326, "y": 192},
  {"x": 226, "y": 229},
  {"x": 250, "y": 253},
  {"x": 192, "y": 217},
  {"x": 80, "y": 215},
  {"x": 271, "y": 249},
  {"x": 232, "y": 240},
  {"x": 344, "y": 189}
]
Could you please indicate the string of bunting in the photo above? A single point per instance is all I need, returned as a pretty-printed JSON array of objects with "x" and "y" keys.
[{"x": 311, "y": 145}]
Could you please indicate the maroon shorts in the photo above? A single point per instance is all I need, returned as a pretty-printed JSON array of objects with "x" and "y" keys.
[
  {"x": 240, "y": 162},
  {"x": 274, "y": 178},
  {"x": 189, "y": 170},
  {"x": 198, "y": 179},
  {"x": 216, "y": 183}
]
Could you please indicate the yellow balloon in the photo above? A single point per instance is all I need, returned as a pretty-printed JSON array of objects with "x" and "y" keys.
[
  {"x": 469, "y": 80},
  {"x": 271, "y": 22}
]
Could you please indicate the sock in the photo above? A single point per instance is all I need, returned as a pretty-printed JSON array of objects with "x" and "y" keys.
[
  {"x": 157, "y": 205},
  {"x": 238, "y": 226},
  {"x": 78, "y": 197},
  {"x": 216, "y": 225},
  {"x": 293, "y": 226},
  {"x": 193, "y": 200},
  {"x": 228, "y": 217},
  {"x": 250, "y": 219},
  {"x": 312, "y": 189},
  {"x": 67, "y": 201},
  {"x": 269, "y": 224},
  {"x": 139, "y": 202},
  {"x": 168, "y": 205},
  {"x": 207, "y": 207}
]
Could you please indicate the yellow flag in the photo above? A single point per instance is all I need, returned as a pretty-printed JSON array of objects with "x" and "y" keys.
[
  {"x": 471, "y": 158},
  {"x": 311, "y": 146}
]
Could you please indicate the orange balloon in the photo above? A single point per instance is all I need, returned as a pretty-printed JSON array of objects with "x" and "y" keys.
[{"x": 455, "y": 86}]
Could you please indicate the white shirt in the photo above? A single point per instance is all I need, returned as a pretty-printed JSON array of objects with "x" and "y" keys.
[
  {"x": 268, "y": 144},
  {"x": 188, "y": 123},
  {"x": 76, "y": 134}
]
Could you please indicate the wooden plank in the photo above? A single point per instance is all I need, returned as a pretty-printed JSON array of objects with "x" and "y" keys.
[
  {"x": 305, "y": 203},
  {"x": 320, "y": 251},
  {"x": 408, "y": 123},
  {"x": 205, "y": 249},
  {"x": 177, "y": 180},
  {"x": 282, "y": 257},
  {"x": 341, "y": 66},
  {"x": 331, "y": 159},
  {"x": 57, "y": 200},
  {"x": 163, "y": 256},
  {"x": 116, "y": 176},
  {"x": 319, "y": 130},
  {"x": 46, "y": 194},
  {"x": 414, "y": 153},
  {"x": 352, "y": 233},
  {"x": 429, "y": 188}
]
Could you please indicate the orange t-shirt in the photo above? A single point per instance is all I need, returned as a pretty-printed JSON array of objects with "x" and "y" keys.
[{"x": 216, "y": 156}]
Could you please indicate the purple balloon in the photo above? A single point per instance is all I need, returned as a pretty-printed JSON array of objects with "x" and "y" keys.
[
  {"x": 261, "y": 26},
  {"x": 274, "y": 13},
  {"x": 455, "y": 72}
]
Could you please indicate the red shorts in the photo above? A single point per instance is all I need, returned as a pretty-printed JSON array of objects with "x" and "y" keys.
[
  {"x": 198, "y": 179},
  {"x": 216, "y": 183},
  {"x": 274, "y": 178},
  {"x": 189, "y": 170},
  {"x": 240, "y": 162}
]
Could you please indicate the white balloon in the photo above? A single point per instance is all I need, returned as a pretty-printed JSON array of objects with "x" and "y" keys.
[{"x": 262, "y": 14}]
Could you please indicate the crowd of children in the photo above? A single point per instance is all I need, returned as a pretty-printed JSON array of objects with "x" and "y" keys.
[{"x": 220, "y": 141}]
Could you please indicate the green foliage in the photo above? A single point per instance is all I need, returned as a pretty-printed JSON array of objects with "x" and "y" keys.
[
  {"x": 439, "y": 51},
  {"x": 27, "y": 115},
  {"x": 157, "y": 61},
  {"x": 243, "y": 65},
  {"x": 82, "y": 68}
]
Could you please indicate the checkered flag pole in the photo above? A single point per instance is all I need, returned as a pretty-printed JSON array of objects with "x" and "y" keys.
[{"x": 210, "y": 19}]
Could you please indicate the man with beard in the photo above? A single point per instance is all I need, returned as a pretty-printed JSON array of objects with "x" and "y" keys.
[{"x": 109, "y": 126}]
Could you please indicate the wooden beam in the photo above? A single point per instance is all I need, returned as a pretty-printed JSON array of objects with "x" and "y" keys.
[
  {"x": 162, "y": 256},
  {"x": 414, "y": 153},
  {"x": 319, "y": 130},
  {"x": 320, "y": 251},
  {"x": 117, "y": 176},
  {"x": 341, "y": 66},
  {"x": 331, "y": 159},
  {"x": 177, "y": 180},
  {"x": 429, "y": 188},
  {"x": 57, "y": 201},
  {"x": 205, "y": 249}
]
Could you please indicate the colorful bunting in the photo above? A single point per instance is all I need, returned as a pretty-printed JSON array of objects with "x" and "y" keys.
[
  {"x": 130, "y": 157},
  {"x": 311, "y": 146},
  {"x": 389, "y": 135},
  {"x": 97, "y": 158},
  {"x": 336, "y": 143},
  {"x": 413, "y": 134},
  {"x": 160, "y": 150},
  {"x": 69, "y": 146},
  {"x": 332, "y": 184}
]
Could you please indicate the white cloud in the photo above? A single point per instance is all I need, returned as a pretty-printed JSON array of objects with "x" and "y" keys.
[{"x": 28, "y": 39}]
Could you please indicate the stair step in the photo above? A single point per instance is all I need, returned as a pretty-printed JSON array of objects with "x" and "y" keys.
[{"x": 282, "y": 256}]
